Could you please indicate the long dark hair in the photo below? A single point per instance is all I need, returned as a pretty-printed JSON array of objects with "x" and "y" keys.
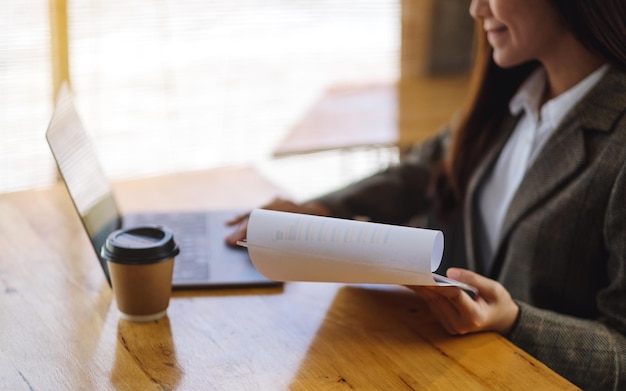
[{"x": 598, "y": 24}]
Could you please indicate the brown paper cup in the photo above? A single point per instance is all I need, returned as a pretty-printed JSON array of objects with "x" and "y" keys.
[
  {"x": 141, "y": 264},
  {"x": 142, "y": 292}
]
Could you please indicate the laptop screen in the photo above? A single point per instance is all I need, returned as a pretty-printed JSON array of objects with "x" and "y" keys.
[{"x": 82, "y": 174}]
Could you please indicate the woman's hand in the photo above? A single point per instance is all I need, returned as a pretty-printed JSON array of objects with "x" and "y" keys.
[
  {"x": 279, "y": 204},
  {"x": 493, "y": 309}
]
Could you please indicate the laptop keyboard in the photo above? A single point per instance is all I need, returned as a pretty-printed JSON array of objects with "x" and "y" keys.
[{"x": 191, "y": 233}]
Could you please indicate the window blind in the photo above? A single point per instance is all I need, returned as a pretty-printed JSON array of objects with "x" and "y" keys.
[{"x": 168, "y": 86}]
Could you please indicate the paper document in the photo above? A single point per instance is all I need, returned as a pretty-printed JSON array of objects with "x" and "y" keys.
[{"x": 296, "y": 247}]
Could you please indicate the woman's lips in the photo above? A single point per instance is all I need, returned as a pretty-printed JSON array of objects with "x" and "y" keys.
[{"x": 495, "y": 33}]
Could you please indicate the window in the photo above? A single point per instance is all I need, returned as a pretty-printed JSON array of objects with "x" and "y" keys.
[
  {"x": 25, "y": 94},
  {"x": 168, "y": 86}
]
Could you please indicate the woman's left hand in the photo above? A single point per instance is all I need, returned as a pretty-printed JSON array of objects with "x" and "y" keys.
[{"x": 493, "y": 309}]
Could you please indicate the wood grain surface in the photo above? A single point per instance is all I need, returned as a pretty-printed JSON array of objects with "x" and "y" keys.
[{"x": 60, "y": 329}]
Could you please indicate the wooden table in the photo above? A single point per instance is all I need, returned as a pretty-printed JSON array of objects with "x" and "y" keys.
[
  {"x": 378, "y": 115},
  {"x": 60, "y": 329}
]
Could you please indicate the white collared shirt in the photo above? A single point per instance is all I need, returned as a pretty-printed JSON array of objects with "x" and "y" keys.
[{"x": 523, "y": 146}]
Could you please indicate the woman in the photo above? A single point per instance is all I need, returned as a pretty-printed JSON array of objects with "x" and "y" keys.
[{"x": 529, "y": 188}]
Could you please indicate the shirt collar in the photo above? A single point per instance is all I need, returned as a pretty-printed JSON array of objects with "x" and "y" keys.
[{"x": 528, "y": 97}]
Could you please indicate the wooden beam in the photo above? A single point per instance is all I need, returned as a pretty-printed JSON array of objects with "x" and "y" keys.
[
  {"x": 59, "y": 44},
  {"x": 436, "y": 38},
  {"x": 416, "y": 37}
]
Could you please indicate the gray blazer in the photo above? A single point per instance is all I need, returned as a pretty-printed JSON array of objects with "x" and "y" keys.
[{"x": 562, "y": 249}]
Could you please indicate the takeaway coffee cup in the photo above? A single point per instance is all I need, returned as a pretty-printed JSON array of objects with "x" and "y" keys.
[{"x": 141, "y": 262}]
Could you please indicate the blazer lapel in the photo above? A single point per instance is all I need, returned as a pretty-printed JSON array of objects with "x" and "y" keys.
[
  {"x": 562, "y": 157},
  {"x": 564, "y": 154}
]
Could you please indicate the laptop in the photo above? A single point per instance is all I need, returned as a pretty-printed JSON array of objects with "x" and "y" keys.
[{"x": 205, "y": 261}]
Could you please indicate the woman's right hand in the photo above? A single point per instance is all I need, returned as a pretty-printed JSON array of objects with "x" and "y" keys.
[{"x": 278, "y": 204}]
